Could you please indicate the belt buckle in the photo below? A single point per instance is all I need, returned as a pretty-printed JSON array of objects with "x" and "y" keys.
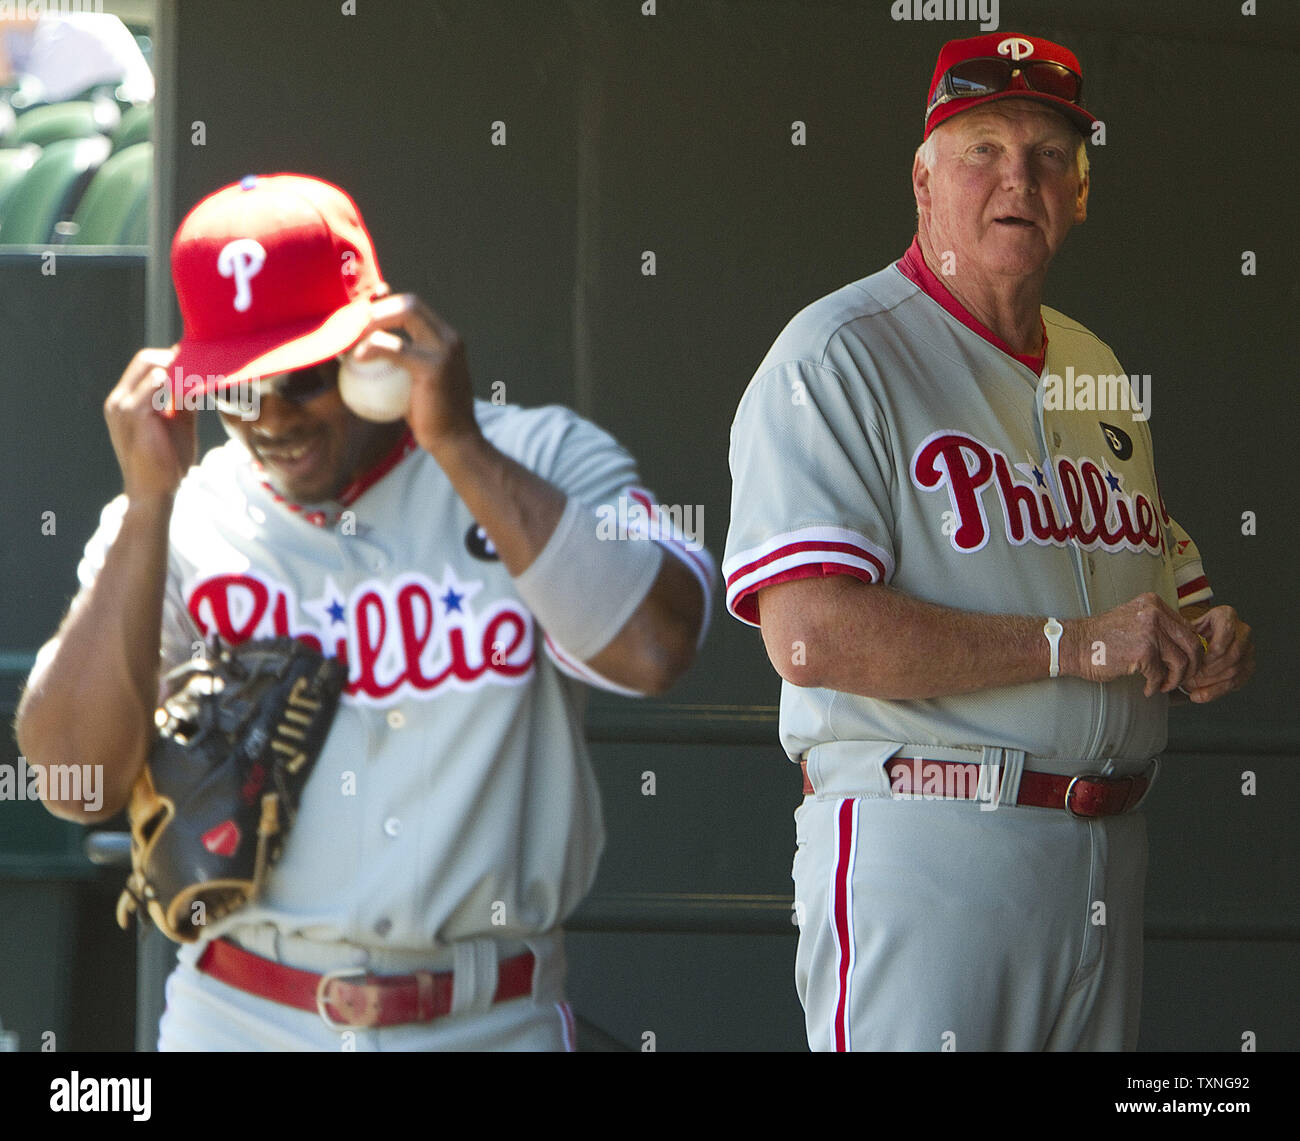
[
  {"x": 1152, "y": 771},
  {"x": 1069, "y": 793},
  {"x": 321, "y": 1001}
]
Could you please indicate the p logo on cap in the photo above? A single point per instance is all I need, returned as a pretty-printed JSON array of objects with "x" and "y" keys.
[
  {"x": 1016, "y": 48},
  {"x": 241, "y": 259}
]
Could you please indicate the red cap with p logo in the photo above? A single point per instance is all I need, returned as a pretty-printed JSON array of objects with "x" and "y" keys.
[
  {"x": 1003, "y": 66},
  {"x": 273, "y": 273}
]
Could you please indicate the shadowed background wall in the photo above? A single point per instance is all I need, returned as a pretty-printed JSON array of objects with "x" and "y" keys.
[{"x": 678, "y": 134}]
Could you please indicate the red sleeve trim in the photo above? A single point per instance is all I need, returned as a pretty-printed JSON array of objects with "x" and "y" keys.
[
  {"x": 794, "y": 549},
  {"x": 745, "y": 605}
]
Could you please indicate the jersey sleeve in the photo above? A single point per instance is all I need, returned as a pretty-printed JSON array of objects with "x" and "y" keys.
[
  {"x": 811, "y": 486},
  {"x": 588, "y": 464},
  {"x": 1190, "y": 578}
]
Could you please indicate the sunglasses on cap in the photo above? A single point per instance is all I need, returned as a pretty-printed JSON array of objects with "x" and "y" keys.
[
  {"x": 297, "y": 387},
  {"x": 989, "y": 76}
]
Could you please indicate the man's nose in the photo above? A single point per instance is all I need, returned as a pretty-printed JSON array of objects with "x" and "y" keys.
[{"x": 1018, "y": 172}]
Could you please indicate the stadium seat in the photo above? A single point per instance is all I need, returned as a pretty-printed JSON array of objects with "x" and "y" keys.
[
  {"x": 136, "y": 127},
  {"x": 135, "y": 231},
  {"x": 55, "y": 121},
  {"x": 115, "y": 202},
  {"x": 103, "y": 97},
  {"x": 49, "y": 191},
  {"x": 15, "y": 162}
]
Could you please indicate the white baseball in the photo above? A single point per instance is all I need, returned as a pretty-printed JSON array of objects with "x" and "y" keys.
[{"x": 377, "y": 389}]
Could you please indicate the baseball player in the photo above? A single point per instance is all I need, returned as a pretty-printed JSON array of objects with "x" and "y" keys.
[
  {"x": 453, "y": 558},
  {"x": 976, "y": 599}
]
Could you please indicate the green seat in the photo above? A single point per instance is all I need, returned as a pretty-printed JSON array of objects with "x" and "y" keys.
[
  {"x": 15, "y": 162},
  {"x": 116, "y": 202},
  {"x": 136, "y": 127},
  {"x": 107, "y": 110},
  {"x": 49, "y": 191},
  {"x": 54, "y": 121}
]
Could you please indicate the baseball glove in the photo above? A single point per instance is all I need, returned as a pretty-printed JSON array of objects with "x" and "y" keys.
[{"x": 213, "y": 806}]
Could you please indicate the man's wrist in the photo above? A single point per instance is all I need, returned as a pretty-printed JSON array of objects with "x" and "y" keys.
[
  {"x": 149, "y": 505},
  {"x": 1071, "y": 640}
]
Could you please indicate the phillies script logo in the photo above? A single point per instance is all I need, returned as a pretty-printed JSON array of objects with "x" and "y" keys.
[
  {"x": 410, "y": 637},
  {"x": 1098, "y": 511}
]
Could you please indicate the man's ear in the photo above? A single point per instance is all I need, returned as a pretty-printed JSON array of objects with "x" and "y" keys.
[
  {"x": 920, "y": 181},
  {"x": 1081, "y": 201}
]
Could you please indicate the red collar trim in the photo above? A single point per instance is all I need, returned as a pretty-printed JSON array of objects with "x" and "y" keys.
[
  {"x": 354, "y": 490},
  {"x": 912, "y": 266}
]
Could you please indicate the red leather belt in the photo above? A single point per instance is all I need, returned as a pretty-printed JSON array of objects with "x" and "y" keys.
[
  {"x": 1088, "y": 794},
  {"x": 353, "y": 997}
]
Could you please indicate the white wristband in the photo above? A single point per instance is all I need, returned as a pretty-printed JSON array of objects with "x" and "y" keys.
[
  {"x": 1052, "y": 631},
  {"x": 583, "y": 588}
]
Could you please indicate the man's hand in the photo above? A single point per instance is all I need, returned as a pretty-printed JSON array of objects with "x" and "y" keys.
[
  {"x": 153, "y": 451},
  {"x": 442, "y": 399},
  {"x": 1230, "y": 660},
  {"x": 1141, "y": 636}
]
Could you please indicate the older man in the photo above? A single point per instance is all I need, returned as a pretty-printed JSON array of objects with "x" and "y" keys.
[{"x": 976, "y": 599}]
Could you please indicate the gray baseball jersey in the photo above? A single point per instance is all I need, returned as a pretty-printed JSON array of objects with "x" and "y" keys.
[
  {"x": 454, "y": 798},
  {"x": 882, "y": 438}
]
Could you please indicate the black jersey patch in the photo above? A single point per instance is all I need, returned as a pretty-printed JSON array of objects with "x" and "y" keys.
[
  {"x": 1118, "y": 440},
  {"x": 479, "y": 545}
]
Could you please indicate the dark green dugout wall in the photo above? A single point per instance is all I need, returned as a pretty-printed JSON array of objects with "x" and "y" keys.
[{"x": 672, "y": 133}]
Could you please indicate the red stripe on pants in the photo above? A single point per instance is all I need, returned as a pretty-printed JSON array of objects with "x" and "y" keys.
[{"x": 842, "y": 919}]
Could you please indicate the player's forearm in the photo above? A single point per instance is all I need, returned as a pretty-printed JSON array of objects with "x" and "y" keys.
[
  {"x": 92, "y": 701},
  {"x": 874, "y": 641},
  {"x": 515, "y": 507},
  {"x": 657, "y": 644}
]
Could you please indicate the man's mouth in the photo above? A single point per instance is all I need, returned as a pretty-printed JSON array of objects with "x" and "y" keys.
[
  {"x": 1012, "y": 220},
  {"x": 292, "y": 459}
]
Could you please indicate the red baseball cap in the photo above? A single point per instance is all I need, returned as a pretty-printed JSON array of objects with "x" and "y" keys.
[
  {"x": 273, "y": 273},
  {"x": 1005, "y": 66}
]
